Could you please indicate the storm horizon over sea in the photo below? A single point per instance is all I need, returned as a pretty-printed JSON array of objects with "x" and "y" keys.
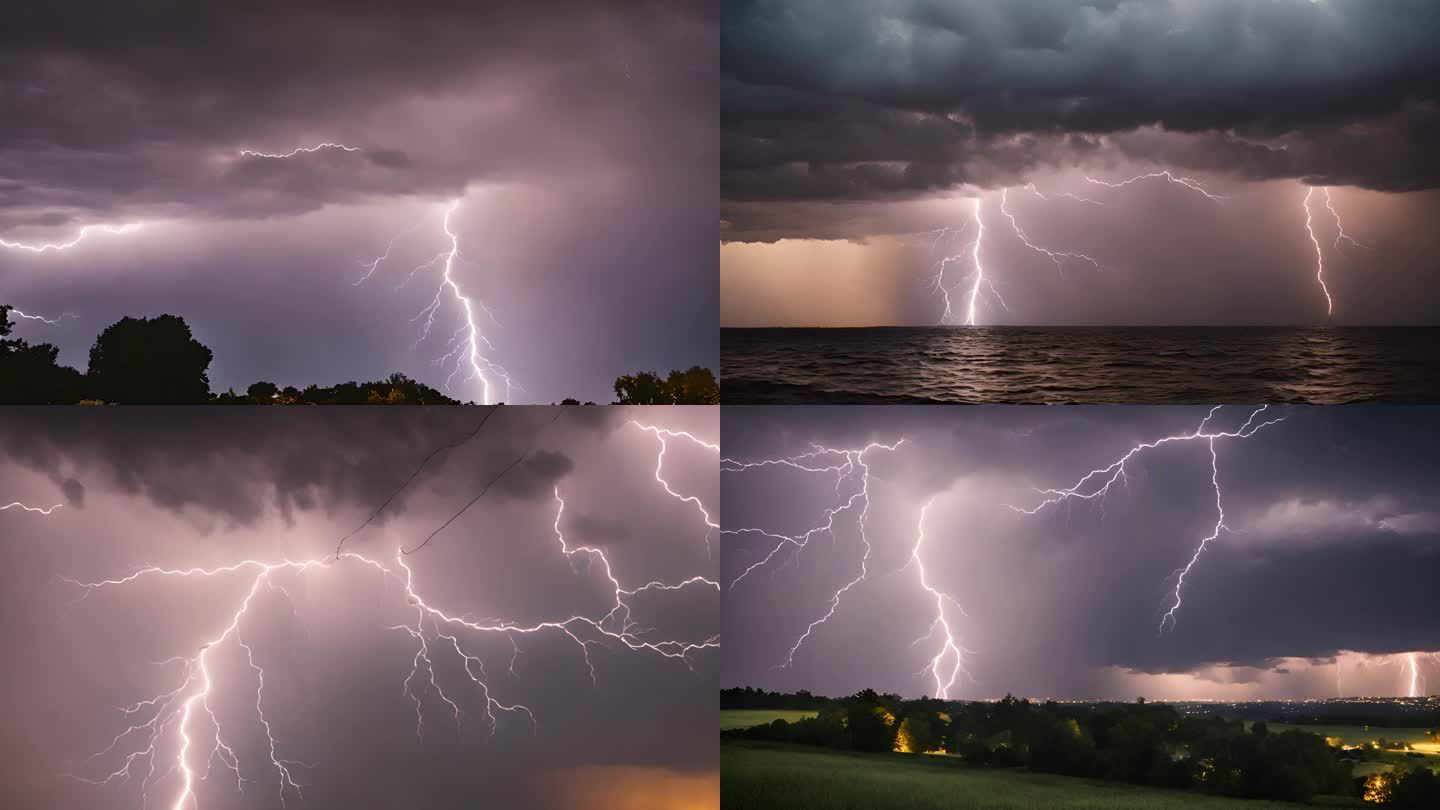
[{"x": 1080, "y": 364}]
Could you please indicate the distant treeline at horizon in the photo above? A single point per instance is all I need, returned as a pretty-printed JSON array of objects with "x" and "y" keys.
[
  {"x": 1139, "y": 743},
  {"x": 157, "y": 360}
]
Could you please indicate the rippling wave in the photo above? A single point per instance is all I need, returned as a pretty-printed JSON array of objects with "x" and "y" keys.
[{"x": 1082, "y": 364}]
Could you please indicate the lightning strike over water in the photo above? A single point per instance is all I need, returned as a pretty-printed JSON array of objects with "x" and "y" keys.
[
  {"x": 1095, "y": 485},
  {"x": 469, "y": 347},
  {"x": 180, "y": 729},
  {"x": 1319, "y": 254},
  {"x": 304, "y": 150},
  {"x": 849, "y": 467},
  {"x": 55, "y": 247}
]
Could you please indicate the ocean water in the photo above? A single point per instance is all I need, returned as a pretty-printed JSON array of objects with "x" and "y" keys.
[{"x": 1081, "y": 364}]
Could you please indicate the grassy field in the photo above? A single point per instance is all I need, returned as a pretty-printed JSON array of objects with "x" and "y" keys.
[
  {"x": 745, "y": 718},
  {"x": 761, "y": 776}
]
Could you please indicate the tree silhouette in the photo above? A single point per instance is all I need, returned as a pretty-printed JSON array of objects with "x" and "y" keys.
[
  {"x": 694, "y": 386},
  {"x": 150, "y": 360},
  {"x": 29, "y": 373}
]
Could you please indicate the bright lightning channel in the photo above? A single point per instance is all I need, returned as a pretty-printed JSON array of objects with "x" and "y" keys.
[
  {"x": 1319, "y": 255},
  {"x": 1095, "y": 485},
  {"x": 181, "y": 727},
  {"x": 1059, "y": 257},
  {"x": 51, "y": 321},
  {"x": 1188, "y": 182},
  {"x": 56, "y": 247},
  {"x": 849, "y": 468},
  {"x": 469, "y": 347},
  {"x": 950, "y": 649},
  {"x": 303, "y": 150},
  {"x": 44, "y": 510}
]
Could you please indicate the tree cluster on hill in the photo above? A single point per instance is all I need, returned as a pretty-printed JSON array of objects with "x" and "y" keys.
[
  {"x": 1141, "y": 743},
  {"x": 157, "y": 361}
]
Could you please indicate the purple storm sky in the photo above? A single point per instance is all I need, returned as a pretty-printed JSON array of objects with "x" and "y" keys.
[
  {"x": 579, "y": 138},
  {"x": 139, "y": 488},
  {"x": 1321, "y": 586},
  {"x": 851, "y": 132}
]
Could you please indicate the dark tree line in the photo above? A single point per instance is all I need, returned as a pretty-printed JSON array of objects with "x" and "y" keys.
[
  {"x": 1140, "y": 743},
  {"x": 157, "y": 361}
]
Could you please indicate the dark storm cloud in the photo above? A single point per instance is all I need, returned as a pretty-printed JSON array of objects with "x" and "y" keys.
[
  {"x": 857, "y": 100},
  {"x": 334, "y": 674},
  {"x": 117, "y": 110},
  {"x": 252, "y": 461},
  {"x": 581, "y": 135},
  {"x": 1334, "y": 519}
]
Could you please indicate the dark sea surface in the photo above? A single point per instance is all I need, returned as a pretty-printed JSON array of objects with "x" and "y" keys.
[{"x": 1165, "y": 364}]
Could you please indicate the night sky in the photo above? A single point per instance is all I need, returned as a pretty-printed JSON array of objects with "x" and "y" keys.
[
  {"x": 189, "y": 488},
  {"x": 851, "y": 131},
  {"x": 580, "y": 139},
  {"x": 1323, "y": 584}
]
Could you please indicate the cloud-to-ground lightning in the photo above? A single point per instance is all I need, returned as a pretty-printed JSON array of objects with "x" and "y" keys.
[
  {"x": 1095, "y": 486},
  {"x": 1319, "y": 254},
  {"x": 55, "y": 247},
  {"x": 977, "y": 278},
  {"x": 950, "y": 651},
  {"x": 303, "y": 150},
  {"x": 171, "y": 740},
  {"x": 469, "y": 348},
  {"x": 849, "y": 467},
  {"x": 44, "y": 510},
  {"x": 1059, "y": 257}
]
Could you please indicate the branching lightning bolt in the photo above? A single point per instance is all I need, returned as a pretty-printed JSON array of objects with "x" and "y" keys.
[
  {"x": 56, "y": 247},
  {"x": 849, "y": 467},
  {"x": 1319, "y": 255},
  {"x": 1188, "y": 182},
  {"x": 661, "y": 434},
  {"x": 179, "y": 731},
  {"x": 949, "y": 648},
  {"x": 469, "y": 347},
  {"x": 1095, "y": 485},
  {"x": 977, "y": 278},
  {"x": 303, "y": 150},
  {"x": 1059, "y": 257}
]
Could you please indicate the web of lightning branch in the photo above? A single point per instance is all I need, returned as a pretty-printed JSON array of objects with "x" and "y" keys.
[
  {"x": 44, "y": 510},
  {"x": 181, "y": 727},
  {"x": 469, "y": 347},
  {"x": 1095, "y": 486},
  {"x": 304, "y": 150},
  {"x": 848, "y": 465},
  {"x": 949, "y": 649},
  {"x": 56, "y": 247}
]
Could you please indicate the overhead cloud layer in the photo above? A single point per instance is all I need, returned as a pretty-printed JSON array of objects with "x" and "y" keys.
[
  {"x": 574, "y": 137},
  {"x": 857, "y": 100},
  {"x": 864, "y": 121},
  {"x": 339, "y": 691},
  {"x": 1332, "y": 537}
]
